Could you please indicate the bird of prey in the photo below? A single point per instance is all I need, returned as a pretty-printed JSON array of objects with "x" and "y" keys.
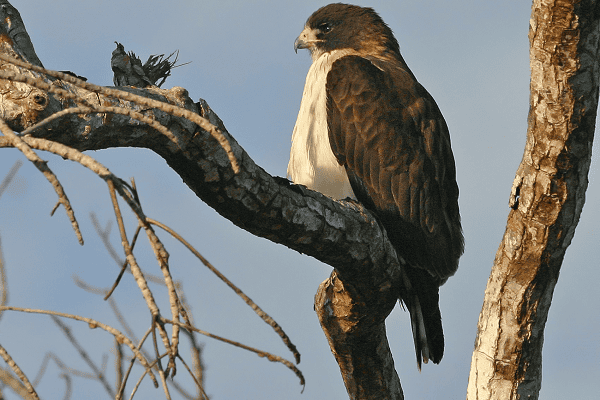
[{"x": 367, "y": 130}]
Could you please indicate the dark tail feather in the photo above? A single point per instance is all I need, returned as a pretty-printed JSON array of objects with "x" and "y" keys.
[{"x": 426, "y": 321}]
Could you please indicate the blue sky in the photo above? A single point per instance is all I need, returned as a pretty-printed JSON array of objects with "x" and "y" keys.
[{"x": 473, "y": 58}]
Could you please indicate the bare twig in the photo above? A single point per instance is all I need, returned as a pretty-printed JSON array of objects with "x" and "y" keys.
[
  {"x": 260, "y": 353},
  {"x": 198, "y": 383},
  {"x": 42, "y": 369},
  {"x": 63, "y": 151},
  {"x": 99, "y": 375},
  {"x": 118, "y": 363},
  {"x": 198, "y": 366},
  {"x": 263, "y": 315},
  {"x": 123, "y": 267},
  {"x": 68, "y": 386},
  {"x": 195, "y": 347},
  {"x": 114, "y": 184},
  {"x": 93, "y": 324},
  {"x": 156, "y": 362},
  {"x": 3, "y": 281},
  {"x": 128, "y": 372},
  {"x": 25, "y": 144},
  {"x": 113, "y": 305},
  {"x": 8, "y": 379},
  {"x": 135, "y": 268},
  {"x": 105, "y": 236},
  {"x": 162, "y": 257},
  {"x": 66, "y": 372},
  {"x": 13, "y": 365},
  {"x": 43, "y": 167},
  {"x": 92, "y": 108},
  {"x": 10, "y": 175}
]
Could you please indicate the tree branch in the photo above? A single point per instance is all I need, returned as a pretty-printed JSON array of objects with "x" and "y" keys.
[
  {"x": 354, "y": 324},
  {"x": 341, "y": 234},
  {"x": 546, "y": 199}
]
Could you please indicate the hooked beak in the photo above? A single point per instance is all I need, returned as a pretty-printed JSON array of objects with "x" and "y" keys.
[
  {"x": 299, "y": 44},
  {"x": 306, "y": 40}
]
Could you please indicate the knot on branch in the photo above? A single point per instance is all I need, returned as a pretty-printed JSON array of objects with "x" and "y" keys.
[{"x": 22, "y": 105}]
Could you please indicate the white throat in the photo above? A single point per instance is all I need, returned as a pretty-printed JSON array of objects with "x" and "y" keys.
[{"x": 312, "y": 162}]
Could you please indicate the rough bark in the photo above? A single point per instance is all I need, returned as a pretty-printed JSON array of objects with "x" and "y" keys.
[
  {"x": 352, "y": 305},
  {"x": 546, "y": 200},
  {"x": 354, "y": 324}
]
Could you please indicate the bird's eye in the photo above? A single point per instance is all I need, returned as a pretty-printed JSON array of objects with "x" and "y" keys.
[{"x": 325, "y": 27}]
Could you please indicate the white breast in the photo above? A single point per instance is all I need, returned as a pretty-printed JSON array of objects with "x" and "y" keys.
[{"x": 312, "y": 163}]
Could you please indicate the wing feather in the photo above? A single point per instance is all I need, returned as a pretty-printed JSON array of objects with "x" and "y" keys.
[
  {"x": 390, "y": 136},
  {"x": 392, "y": 139}
]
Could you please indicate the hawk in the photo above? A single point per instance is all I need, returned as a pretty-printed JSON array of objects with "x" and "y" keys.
[{"x": 367, "y": 130}]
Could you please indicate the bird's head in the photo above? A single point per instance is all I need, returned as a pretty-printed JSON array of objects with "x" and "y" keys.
[{"x": 347, "y": 27}]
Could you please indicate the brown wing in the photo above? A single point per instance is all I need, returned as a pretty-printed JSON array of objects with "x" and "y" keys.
[
  {"x": 390, "y": 135},
  {"x": 393, "y": 141}
]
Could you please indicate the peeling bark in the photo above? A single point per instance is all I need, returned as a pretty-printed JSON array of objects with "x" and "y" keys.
[{"x": 546, "y": 199}]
